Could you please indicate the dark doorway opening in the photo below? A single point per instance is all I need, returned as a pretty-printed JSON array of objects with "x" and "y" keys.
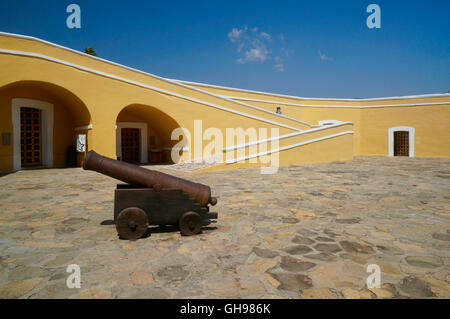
[
  {"x": 401, "y": 143},
  {"x": 30, "y": 136},
  {"x": 130, "y": 145}
]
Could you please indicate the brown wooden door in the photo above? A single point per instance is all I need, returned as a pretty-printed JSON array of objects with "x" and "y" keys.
[
  {"x": 30, "y": 136},
  {"x": 401, "y": 143},
  {"x": 130, "y": 145}
]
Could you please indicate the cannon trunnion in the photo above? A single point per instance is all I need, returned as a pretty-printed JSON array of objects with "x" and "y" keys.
[{"x": 153, "y": 198}]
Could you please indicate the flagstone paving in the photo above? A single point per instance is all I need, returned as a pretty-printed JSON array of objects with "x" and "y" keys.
[{"x": 309, "y": 231}]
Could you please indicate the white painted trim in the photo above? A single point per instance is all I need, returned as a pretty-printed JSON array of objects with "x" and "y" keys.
[
  {"x": 311, "y": 98},
  {"x": 46, "y": 129},
  {"x": 340, "y": 106},
  {"x": 174, "y": 82},
  {"x": 186, "y": 83},
  {"x": 143, "y": 133},
  {"x": 247, "y": 105},
  {"x": 321, "y": 128},
  {"x": 83, "y": 128},
  {"x": 286, "y": 147},
  {"x": 391, "y": 139},
  {"x": 44, "y": 57},
  {"x": 329, "y": 123}
]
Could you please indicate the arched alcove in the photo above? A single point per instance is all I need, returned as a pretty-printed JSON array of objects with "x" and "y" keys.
[
  {"x": 143, "y": 135},
  {"x": 43, "y": 121}
]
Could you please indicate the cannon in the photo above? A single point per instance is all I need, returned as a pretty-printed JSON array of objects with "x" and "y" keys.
[{"x": 153, "y": 198}]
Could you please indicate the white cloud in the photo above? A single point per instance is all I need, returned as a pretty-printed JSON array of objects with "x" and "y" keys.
[
  {"x": 252, "y": 43},
  {"x": 323, "y": 57},
  {"x": 255, "y": 45},
  {"x": 266, "y": 36},
  {"x": 235, "y": 34},
  {"x": 256, "y": 54},
  {"x": 279, "y": 66}
]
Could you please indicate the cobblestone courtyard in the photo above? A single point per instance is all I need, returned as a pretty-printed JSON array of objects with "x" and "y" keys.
[{"x": 308, "y": 231}]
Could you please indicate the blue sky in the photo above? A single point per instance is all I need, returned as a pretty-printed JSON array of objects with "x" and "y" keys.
[{"x": 304, "y": 48}]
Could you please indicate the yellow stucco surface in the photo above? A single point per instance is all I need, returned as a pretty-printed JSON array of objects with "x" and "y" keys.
[
  {"x": 371, "y": 124},
  {"x": 88, "y": 91}
]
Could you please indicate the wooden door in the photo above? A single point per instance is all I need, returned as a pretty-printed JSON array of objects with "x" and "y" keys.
[
  {"x": 30, "y": 136},
  {"x": 401, "y": 143},
  {"x": 130, "y": 145}
]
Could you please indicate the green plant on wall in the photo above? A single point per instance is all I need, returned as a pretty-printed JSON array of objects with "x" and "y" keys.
[{"x": 90, "y": 51}]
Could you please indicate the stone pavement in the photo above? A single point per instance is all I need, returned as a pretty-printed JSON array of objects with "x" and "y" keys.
[{"x": 309, "y": 231}]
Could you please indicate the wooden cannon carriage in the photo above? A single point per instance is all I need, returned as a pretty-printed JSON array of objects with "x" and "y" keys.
[{"x": 153, "y": 198}]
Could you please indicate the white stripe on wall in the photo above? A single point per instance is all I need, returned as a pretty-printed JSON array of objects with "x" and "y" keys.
[
  {"x": 338, "y": 106},
  {"x": 235, "y": 147},
  {"x": 287, "y": 147},
  {"x": 174, "y": 82},
  {"x": 44, "y": 57},
  {"x": 314, "y": 98}
]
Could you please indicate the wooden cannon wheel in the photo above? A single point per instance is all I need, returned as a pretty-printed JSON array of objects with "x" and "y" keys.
[
  {"x": 190, "y": 223},
  {"x": 131, "y": 223}
]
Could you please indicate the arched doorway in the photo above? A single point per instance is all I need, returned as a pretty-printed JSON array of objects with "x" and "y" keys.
[
  {"x": 43, "y": 121},
  {"x": 143, "y": 135}
]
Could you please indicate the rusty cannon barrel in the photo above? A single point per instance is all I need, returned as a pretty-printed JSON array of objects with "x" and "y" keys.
[{"x": 136, "y": 175}]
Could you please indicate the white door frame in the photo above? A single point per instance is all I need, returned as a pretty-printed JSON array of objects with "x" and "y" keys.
[
  {"x": 46, "y": 129},
  {"x": 143, "y": 133},
  {"x": 391, "y": 139}
]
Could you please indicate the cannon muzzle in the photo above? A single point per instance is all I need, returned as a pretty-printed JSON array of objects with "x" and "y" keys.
[{"x": 136, "y": 175}]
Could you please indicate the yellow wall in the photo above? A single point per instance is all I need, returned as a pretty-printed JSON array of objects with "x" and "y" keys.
[
  {"x": 330, "y": 150},
  {"x": 104, "y": 98},
  {"x": 431, "y": 122},
  {"x": 431, "y": 125},
  {"x": 25, "y": 45},
  {"x": 82, "y": 97}
]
